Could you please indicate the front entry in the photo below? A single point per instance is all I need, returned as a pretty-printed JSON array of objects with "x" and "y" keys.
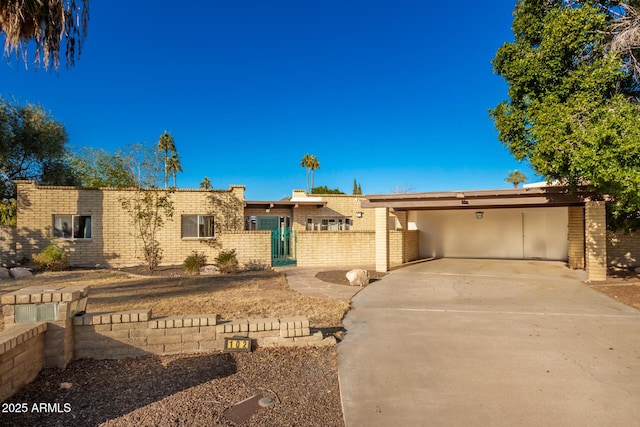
[
  {"x": 283, "y": 239},
  {"x": 283, "y": 247}
]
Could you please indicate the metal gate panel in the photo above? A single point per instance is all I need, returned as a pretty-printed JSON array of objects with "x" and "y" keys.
[{"x": 283, "y": 247}]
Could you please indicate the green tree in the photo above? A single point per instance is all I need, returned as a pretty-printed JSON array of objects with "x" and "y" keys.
[
  {"x": 305, "y": 162},
  {"x": 206, "y": 184},
  {"x": 32, "y": 146},
  {"x": 148, "y": 206},
  {"x": 53, "y": 25},
  {"x": 174, "y": 166},
  {"x": 357, "y": 189},
  {"x": 97, "y": 168},
  {"x": 516, "y": 177},
  {"x": 149, "y": 209},
  {"x": 167, "y": 145},
  {"x": 323, "y": 189},
  {"x": 314, "y": 164},
  {"x": 573, "y": 100}
]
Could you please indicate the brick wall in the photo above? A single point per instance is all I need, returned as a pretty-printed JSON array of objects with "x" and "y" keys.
[
  {"x": 623, "y": 249},
  {"x": 133, "y": 333},
  {"x": 21, "y": 356},
  {"x": 403, "y": 247},
  {"x": 113, "y": 239},
  {"x": 7, "y": 246},
  {"x": 321, "y": 248}
]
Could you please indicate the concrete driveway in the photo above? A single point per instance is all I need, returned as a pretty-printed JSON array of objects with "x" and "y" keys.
[{"x": 489, "y": 343}]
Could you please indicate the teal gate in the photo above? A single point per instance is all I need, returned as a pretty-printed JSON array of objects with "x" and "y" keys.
[{"x": 283, "y": 247}]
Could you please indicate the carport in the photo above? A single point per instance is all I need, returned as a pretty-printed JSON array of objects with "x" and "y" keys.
[{"x": 539, "y": 223}]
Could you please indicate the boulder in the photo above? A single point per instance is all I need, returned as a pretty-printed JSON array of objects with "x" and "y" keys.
[
  {"x": 358, "y": 277},
  {"x": 19, "y": 272},
  {"x": 208, "y": 270},
  {"x": 4, "y": 273}
]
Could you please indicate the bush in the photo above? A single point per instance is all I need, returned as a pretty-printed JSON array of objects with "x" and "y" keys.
[
  {"x": 227, "y": 262},
  {"x": 52, "y": 259},
  {"x": 194, "y": 262}
]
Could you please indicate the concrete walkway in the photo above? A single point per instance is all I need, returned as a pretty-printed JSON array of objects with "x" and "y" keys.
[
  {"x": 303, "y": 280},
  {"x": 489, "y": 343}
]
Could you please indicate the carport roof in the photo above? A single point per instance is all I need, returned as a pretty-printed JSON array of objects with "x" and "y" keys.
[{"x": 550, "y": 196}]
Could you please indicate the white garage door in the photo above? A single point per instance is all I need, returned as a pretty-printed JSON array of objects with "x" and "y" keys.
[{"x": 529, "y": 233}]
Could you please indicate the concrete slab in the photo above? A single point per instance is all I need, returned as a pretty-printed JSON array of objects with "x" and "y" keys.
[
  {"x": 303, "y": 280},
  {"x": 489, "y": 342}
]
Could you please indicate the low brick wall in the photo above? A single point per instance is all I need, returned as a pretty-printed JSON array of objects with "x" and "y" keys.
[
  {"x": 134, "y": 333},
  {"x": 623, "y": 249},
  {"x": 21, "y": 356},
  {"x": 320, "y": 248}
]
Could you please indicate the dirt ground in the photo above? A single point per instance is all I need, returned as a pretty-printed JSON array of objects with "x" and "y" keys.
[
  {"x": 622, "y": 285},
  {"x": 167, "y": 293}
]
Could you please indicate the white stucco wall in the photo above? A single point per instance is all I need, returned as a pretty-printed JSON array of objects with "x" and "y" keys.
[{"x": 501, "y": 233}]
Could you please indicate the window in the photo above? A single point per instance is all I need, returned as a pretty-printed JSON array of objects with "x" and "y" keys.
[
  {"x": 197, "y": 226},
  {"x": 72, "y": 226},
  {"x": 329, "y": 224}
]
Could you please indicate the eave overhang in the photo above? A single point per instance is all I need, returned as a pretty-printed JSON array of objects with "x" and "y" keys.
[{"x": 483, "y": 199}]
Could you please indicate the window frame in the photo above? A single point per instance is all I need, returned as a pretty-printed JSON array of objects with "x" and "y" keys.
[
  {"x": 73, "y": 231},
  {"x": 329, "y": 223},
  {"x": 198, "y": 225}
]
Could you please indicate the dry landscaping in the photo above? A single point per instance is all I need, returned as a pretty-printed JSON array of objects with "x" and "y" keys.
[{"x": 204, "y": 389}]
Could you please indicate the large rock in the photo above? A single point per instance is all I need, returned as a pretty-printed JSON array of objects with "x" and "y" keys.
[
  {"x": 209, "y": 270},
  {"x": 4, "y": 273},
  {"x": 18, "y": 272},
  {"x": 358, "y": 277}
]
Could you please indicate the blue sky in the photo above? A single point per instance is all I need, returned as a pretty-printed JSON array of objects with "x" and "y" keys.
[{"x": 394, "y": 94}]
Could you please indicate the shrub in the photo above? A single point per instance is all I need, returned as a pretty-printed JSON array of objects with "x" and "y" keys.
[
  {"x": 227, "y": 262},
  {"x": 52, "y": 259},
  {"x": 194, "y": 262}
]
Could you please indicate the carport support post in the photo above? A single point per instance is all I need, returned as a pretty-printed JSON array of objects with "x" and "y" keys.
[
  {"x": 382, "y": 239},
  {"x": 595, "y": 239}
]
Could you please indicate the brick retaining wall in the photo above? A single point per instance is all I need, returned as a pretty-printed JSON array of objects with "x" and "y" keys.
[
  {"x": 21, "y": 356},
  {"x": 134, "y": 333}
]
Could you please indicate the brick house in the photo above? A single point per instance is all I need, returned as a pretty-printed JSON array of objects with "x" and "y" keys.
[
  {"x": 95, "y": 229},
  {"x": 384, "y": 230}
]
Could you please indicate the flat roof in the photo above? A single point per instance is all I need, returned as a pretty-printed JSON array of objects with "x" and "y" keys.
[{"x": 482, "y": 199}]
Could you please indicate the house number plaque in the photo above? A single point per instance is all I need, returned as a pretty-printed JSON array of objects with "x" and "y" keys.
[{"x": 237, "y": 344}]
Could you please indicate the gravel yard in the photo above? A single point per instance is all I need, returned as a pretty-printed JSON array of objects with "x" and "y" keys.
[{"x": 193, "y": 390}]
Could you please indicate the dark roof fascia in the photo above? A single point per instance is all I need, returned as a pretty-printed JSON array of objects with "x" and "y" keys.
[
  {"x": 483, "y": 199},
  {"x": 280, "y": 204}
]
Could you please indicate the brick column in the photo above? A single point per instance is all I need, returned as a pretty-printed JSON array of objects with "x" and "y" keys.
[
  {"x": 576, "y": 237},
  {"x": 57, "y": 306},
  {"x": 382, "y": 239},
  {"x": 595, "y": 236}
]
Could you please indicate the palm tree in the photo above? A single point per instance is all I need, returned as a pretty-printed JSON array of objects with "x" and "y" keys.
[
  {"x": 47, "y": 24},
  {"x": 305, "y": 163},
  {"x": 206, "y": 184},
  {"x": 516, "y": 177},
  {"x": 174, "y": 166},
  {"x": 166, "y": 144},
  {"x": 313, "y": 165}
]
